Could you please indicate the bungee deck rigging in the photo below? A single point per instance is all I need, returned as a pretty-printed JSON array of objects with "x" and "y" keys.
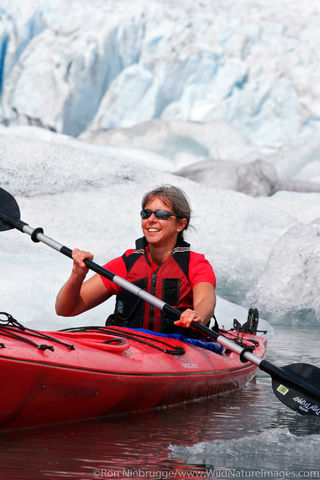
[{"x": 11, "y": 328}]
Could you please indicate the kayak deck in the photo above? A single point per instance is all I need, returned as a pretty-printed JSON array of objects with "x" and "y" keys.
[{"x": 52, "y": 377}]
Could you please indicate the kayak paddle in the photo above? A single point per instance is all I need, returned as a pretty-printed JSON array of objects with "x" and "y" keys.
[{"x": 295, "y": 385}]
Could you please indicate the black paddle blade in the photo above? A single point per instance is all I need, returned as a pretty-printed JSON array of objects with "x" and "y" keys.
[
  {"x": 299, "y": 402},
  {"x": 9, "y": 211}
]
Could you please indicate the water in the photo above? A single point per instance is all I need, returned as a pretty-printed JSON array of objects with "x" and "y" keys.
[{"x": 236, "y": 434}]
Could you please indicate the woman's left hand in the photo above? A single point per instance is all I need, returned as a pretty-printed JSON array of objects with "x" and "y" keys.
[{"x": 187, "y": 317}]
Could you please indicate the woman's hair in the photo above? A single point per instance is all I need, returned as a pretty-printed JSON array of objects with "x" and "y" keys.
[{"x": 175, "y": 199}]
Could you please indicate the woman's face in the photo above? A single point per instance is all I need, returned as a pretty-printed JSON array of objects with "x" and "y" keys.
[{"x": 161, "y": 232}]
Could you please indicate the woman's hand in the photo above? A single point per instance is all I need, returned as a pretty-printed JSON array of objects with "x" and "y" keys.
[
  {"x": 204, "y": 300},
  {"x": 187, "y": 317},
  {"x": 79, "y": 267},
  {"x": 77, "y": 296}
]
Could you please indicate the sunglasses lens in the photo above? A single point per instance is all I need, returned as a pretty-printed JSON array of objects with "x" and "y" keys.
[
  {"x": 162, "y": 214},
  {"x": 145, "y": 213}
]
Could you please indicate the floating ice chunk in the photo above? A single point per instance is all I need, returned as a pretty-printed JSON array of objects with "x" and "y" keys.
[
  {"x": 284, "y": 451},
  {"x": 288, "y": 289}
]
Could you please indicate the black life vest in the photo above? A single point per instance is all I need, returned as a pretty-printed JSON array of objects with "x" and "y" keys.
[{"x": 170, "y": 282}]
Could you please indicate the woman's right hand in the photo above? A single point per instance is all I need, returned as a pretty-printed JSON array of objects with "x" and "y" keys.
[
  {"x": 77, "y": 296},
  {"x": 79, "y": 267}
]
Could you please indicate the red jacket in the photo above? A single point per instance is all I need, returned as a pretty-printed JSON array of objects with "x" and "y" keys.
[{"x": 169, "y": 282}]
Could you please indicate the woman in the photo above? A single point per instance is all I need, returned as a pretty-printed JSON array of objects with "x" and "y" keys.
[{"x": 161, "y": 263}]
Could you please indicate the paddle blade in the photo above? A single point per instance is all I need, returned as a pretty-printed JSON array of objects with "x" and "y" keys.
[
  {"x": 299, "y": 402},
  {"x": 9, "y": 211}
]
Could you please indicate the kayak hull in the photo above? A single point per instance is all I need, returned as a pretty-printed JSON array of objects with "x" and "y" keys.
[{"x": 95, "y": 379}]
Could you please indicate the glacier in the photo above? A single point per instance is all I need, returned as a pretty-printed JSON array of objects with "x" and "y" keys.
[{"x": 100, "y": 66}]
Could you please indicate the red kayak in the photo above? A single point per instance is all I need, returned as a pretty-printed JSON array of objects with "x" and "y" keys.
[{"x": 50, "y": 377}]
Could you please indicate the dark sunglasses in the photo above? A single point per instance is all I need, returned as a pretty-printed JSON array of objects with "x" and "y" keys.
[{"x": 159, "y": 214}]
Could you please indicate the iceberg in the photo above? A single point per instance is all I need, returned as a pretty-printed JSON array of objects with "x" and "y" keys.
[{"x": 288, "y": 289}]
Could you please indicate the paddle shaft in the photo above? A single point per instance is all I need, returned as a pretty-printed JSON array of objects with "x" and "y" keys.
[{"x": 287, "y": 378}]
